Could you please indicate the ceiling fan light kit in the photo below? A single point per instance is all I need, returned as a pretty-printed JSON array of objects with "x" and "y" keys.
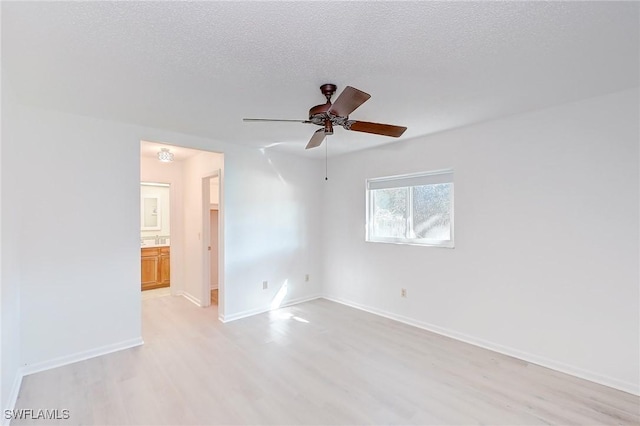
[{"x": 328, "y": 115}]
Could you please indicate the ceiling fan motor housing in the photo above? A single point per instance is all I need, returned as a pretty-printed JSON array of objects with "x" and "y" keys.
[{"x": 319, "y": 114}]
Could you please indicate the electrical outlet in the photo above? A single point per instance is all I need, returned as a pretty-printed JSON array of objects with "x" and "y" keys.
[
  {"x": 403, "y": 292},
  {"x": 306, "y": 278},
  {"x": 265, "y": 285}
]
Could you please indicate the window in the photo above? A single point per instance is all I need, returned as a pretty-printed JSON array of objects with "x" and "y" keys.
[{"x": 411, "y": 209}]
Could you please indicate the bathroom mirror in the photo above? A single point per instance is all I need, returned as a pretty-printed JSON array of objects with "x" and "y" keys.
[{"x": 150, "y": 214}]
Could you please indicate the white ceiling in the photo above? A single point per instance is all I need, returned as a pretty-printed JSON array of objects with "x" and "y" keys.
[{"x": 200, "y": 67}]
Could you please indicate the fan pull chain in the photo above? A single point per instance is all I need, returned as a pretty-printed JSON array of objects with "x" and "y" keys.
[{"x": 326, "y": 148}]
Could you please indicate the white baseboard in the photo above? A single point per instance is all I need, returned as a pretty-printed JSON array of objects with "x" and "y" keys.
[
  {"x": 13, "y": 396},
  {"x": 611, "y": 382},
  {"x": 80, "y": 356},
  {"x": 191, "y": 299},
  {"x": 251, "y": 312}
]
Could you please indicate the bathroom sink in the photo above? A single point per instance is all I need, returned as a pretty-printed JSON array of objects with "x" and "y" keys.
[{"x": 151, "y": 243}]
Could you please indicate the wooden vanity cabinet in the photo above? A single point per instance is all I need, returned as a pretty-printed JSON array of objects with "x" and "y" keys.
[
  {"x": 155, "y": 269},
  {"x": 164, "y": 271}
]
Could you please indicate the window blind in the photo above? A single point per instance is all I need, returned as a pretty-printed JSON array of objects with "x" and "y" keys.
[{"x": 417, "y": 179}]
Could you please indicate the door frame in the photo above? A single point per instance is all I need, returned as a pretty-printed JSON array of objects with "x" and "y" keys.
[{"x": 206, "y": 242}]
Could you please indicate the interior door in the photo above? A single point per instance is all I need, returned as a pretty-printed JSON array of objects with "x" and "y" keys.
[{"x": 213, "y": 216}]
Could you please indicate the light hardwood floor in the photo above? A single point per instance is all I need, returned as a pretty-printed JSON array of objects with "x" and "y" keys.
[{"x": 313, "y": 363}]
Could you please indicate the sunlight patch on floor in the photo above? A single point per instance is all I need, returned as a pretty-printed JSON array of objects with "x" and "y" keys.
[
  {"x": 288, "y": 316},
  {"x": 277, "y": 300}
]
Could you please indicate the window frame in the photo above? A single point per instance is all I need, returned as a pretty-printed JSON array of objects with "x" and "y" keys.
[{"x": 408, "y": 178}]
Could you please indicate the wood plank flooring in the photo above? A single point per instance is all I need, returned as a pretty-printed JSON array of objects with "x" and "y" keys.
[{"x": 317, "y": 363}]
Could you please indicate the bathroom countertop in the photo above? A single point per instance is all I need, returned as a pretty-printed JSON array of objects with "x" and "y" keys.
[{"x": 154, "y": 246}]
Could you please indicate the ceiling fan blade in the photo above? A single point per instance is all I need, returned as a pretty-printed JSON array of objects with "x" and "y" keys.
[
  {"x": 316, "y": 139},
  {"x": 350, "y": 99},
  {"x": 377, "y": 128},
  {"x": 275, "y": 119}
]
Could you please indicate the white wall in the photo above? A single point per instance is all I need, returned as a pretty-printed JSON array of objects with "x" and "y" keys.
[
  {"x": 10, "y": 222},
  {"x": 79, "y": 248},
  {"x": 275, "y": 233},
  {"x": 546, "y": 259},
  {"x": 80, "y": 279},
  {"x": 214, "y": 190}
]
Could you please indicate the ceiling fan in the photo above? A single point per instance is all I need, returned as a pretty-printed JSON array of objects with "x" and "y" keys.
[{"x": 327, "y": 115}]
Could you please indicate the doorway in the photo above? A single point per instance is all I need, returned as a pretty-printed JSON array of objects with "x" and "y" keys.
[
  {"x": 190, "y": 269},
  {"x": 212, "y": 215},
  {"x": 214, "y": 244}
]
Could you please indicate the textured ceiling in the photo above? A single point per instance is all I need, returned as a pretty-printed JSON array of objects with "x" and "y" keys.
[{"x": 200, "y": 67}]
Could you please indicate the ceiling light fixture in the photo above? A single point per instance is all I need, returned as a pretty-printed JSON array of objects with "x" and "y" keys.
[{"x": 165, "y": 156}]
